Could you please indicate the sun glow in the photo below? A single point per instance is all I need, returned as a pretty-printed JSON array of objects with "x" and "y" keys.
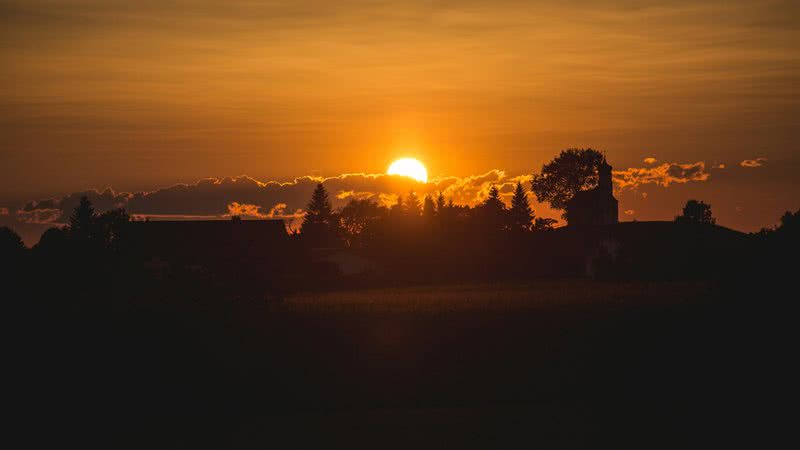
[{"x": 409, "y": 167}]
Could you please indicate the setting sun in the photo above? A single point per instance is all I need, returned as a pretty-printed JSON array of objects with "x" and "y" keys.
[{"x": 409, "y": 167}]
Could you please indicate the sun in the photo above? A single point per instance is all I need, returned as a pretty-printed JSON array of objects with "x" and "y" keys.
[{"x": 409, "y": 167}]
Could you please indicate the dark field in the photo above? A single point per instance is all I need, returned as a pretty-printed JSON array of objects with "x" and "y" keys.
[{"x": 556, "y": 364}]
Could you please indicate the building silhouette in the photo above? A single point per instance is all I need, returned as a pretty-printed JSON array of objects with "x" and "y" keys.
[
  {"x": 211, "y": 246},
  {"x": 596, "y": 206}
]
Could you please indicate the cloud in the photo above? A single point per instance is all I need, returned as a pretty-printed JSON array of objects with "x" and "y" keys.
[
  {"x": 245, "y": 210},
  {"x": 41, "y": 216},
  {"x": 718, "y": 166},
  {"x": 753, "y": 163},
  {"x": 650, "y": 161},
  {"x": 662, "y": 175},
  {"x": 278, "y": 211},
  {"x": 47, "y": 211},
  {"x": 292, "y": 219}
]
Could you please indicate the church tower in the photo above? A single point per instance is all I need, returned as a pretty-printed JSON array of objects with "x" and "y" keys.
[{"x": 596, "y": 206}]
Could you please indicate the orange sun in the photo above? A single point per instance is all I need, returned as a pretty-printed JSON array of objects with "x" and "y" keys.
[{"x": 409, "y": 167}]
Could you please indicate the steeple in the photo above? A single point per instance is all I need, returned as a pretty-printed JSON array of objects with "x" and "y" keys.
[{"x": 596, "y": 206}]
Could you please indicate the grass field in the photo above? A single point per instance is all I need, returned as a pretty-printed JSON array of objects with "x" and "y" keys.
[
  {"x": 556, "y": 364},
  {"x": 503, "y": 297}
]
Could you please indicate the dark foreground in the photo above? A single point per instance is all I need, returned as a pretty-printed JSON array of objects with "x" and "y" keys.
[{"x": 557, "y": 364}]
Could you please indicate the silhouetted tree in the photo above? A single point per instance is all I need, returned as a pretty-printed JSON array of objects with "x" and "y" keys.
[
  {"x": 428, "y": 208},
  {"x": 319, "y": 224},
  {"x": 82, "y": 220},
  {"x": 88, "y": 229},
  {"x": 696, "y": 212},
  {"x": 493, "y": 200},
  {"x": 790, "y": 222},
  {"x": 11, "y": 249},
  {"x": 111, "y": 227},
  {"x": 319, "y": 207},
  {"x": 53, "y": 240},
  {"x": 54, "y": 254},
  {"x": 573, "y": 170},
  {"x": 10, "y": 242},
  {"x": 396, "y": 210},
  {"x": 440, "y": 203},
  {"x": 521, "y": 214},
  {"x": 359, "y": 220},
  {"x": 492, "y": 212},
  {"x": 411, "y": 206},
  {"x": 12, "y": 259}
]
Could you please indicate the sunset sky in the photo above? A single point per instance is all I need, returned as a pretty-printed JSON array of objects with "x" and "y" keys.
[{"x": 689, "y": 99}]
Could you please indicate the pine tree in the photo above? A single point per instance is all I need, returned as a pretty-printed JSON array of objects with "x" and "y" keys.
[
  {"x": 399, "y": 204},
  {"x": 319, "y": 208},
  {"x": 318, "y": 224},
  {"x": 396, "y": 210},
  {"x": 492, "y": 212},
  {"x": 81, "y": 222},
  {"x": 521, "y": 212},
  {"x": 440, "y": 203},
  {"x": 493, "y": 202},
  {"x": 412, "y": 206},
  {"x": 428, "y": 208}
]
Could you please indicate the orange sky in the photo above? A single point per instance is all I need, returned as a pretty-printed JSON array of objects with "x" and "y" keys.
[{"x": 142, "y": 95}]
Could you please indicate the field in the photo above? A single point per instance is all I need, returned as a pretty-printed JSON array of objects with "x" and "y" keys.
[
  {"x": 495, "y": 298},
  {"x": 566, "y": 364}
]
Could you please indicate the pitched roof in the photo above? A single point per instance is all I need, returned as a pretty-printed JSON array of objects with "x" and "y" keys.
[{"x": 209, "y": 238}]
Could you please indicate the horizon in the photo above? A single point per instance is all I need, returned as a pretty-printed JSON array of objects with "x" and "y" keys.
[{"x": 245, "y": 196}]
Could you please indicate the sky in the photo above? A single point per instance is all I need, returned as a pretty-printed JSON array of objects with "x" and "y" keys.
[{"x": 689, "y": 99}]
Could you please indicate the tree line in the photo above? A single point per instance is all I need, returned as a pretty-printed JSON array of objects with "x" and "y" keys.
[
  {"x": 363, "y": 222},
  {"x": 360, "y": 221}
]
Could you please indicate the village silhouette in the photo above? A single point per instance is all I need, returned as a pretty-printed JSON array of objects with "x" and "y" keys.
[
  {"x": 192, "y": 331},
  {"x": 415, "y": 240}
]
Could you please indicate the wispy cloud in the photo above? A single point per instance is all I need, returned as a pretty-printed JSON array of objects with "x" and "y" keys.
[
  {"x": 278, "y": 211},
  {"x": 662, "y": 175},
  {"x": 753, "y": 163},
  {"x": 245, "y": 210},
  {"x": 41, "y": 216}
]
